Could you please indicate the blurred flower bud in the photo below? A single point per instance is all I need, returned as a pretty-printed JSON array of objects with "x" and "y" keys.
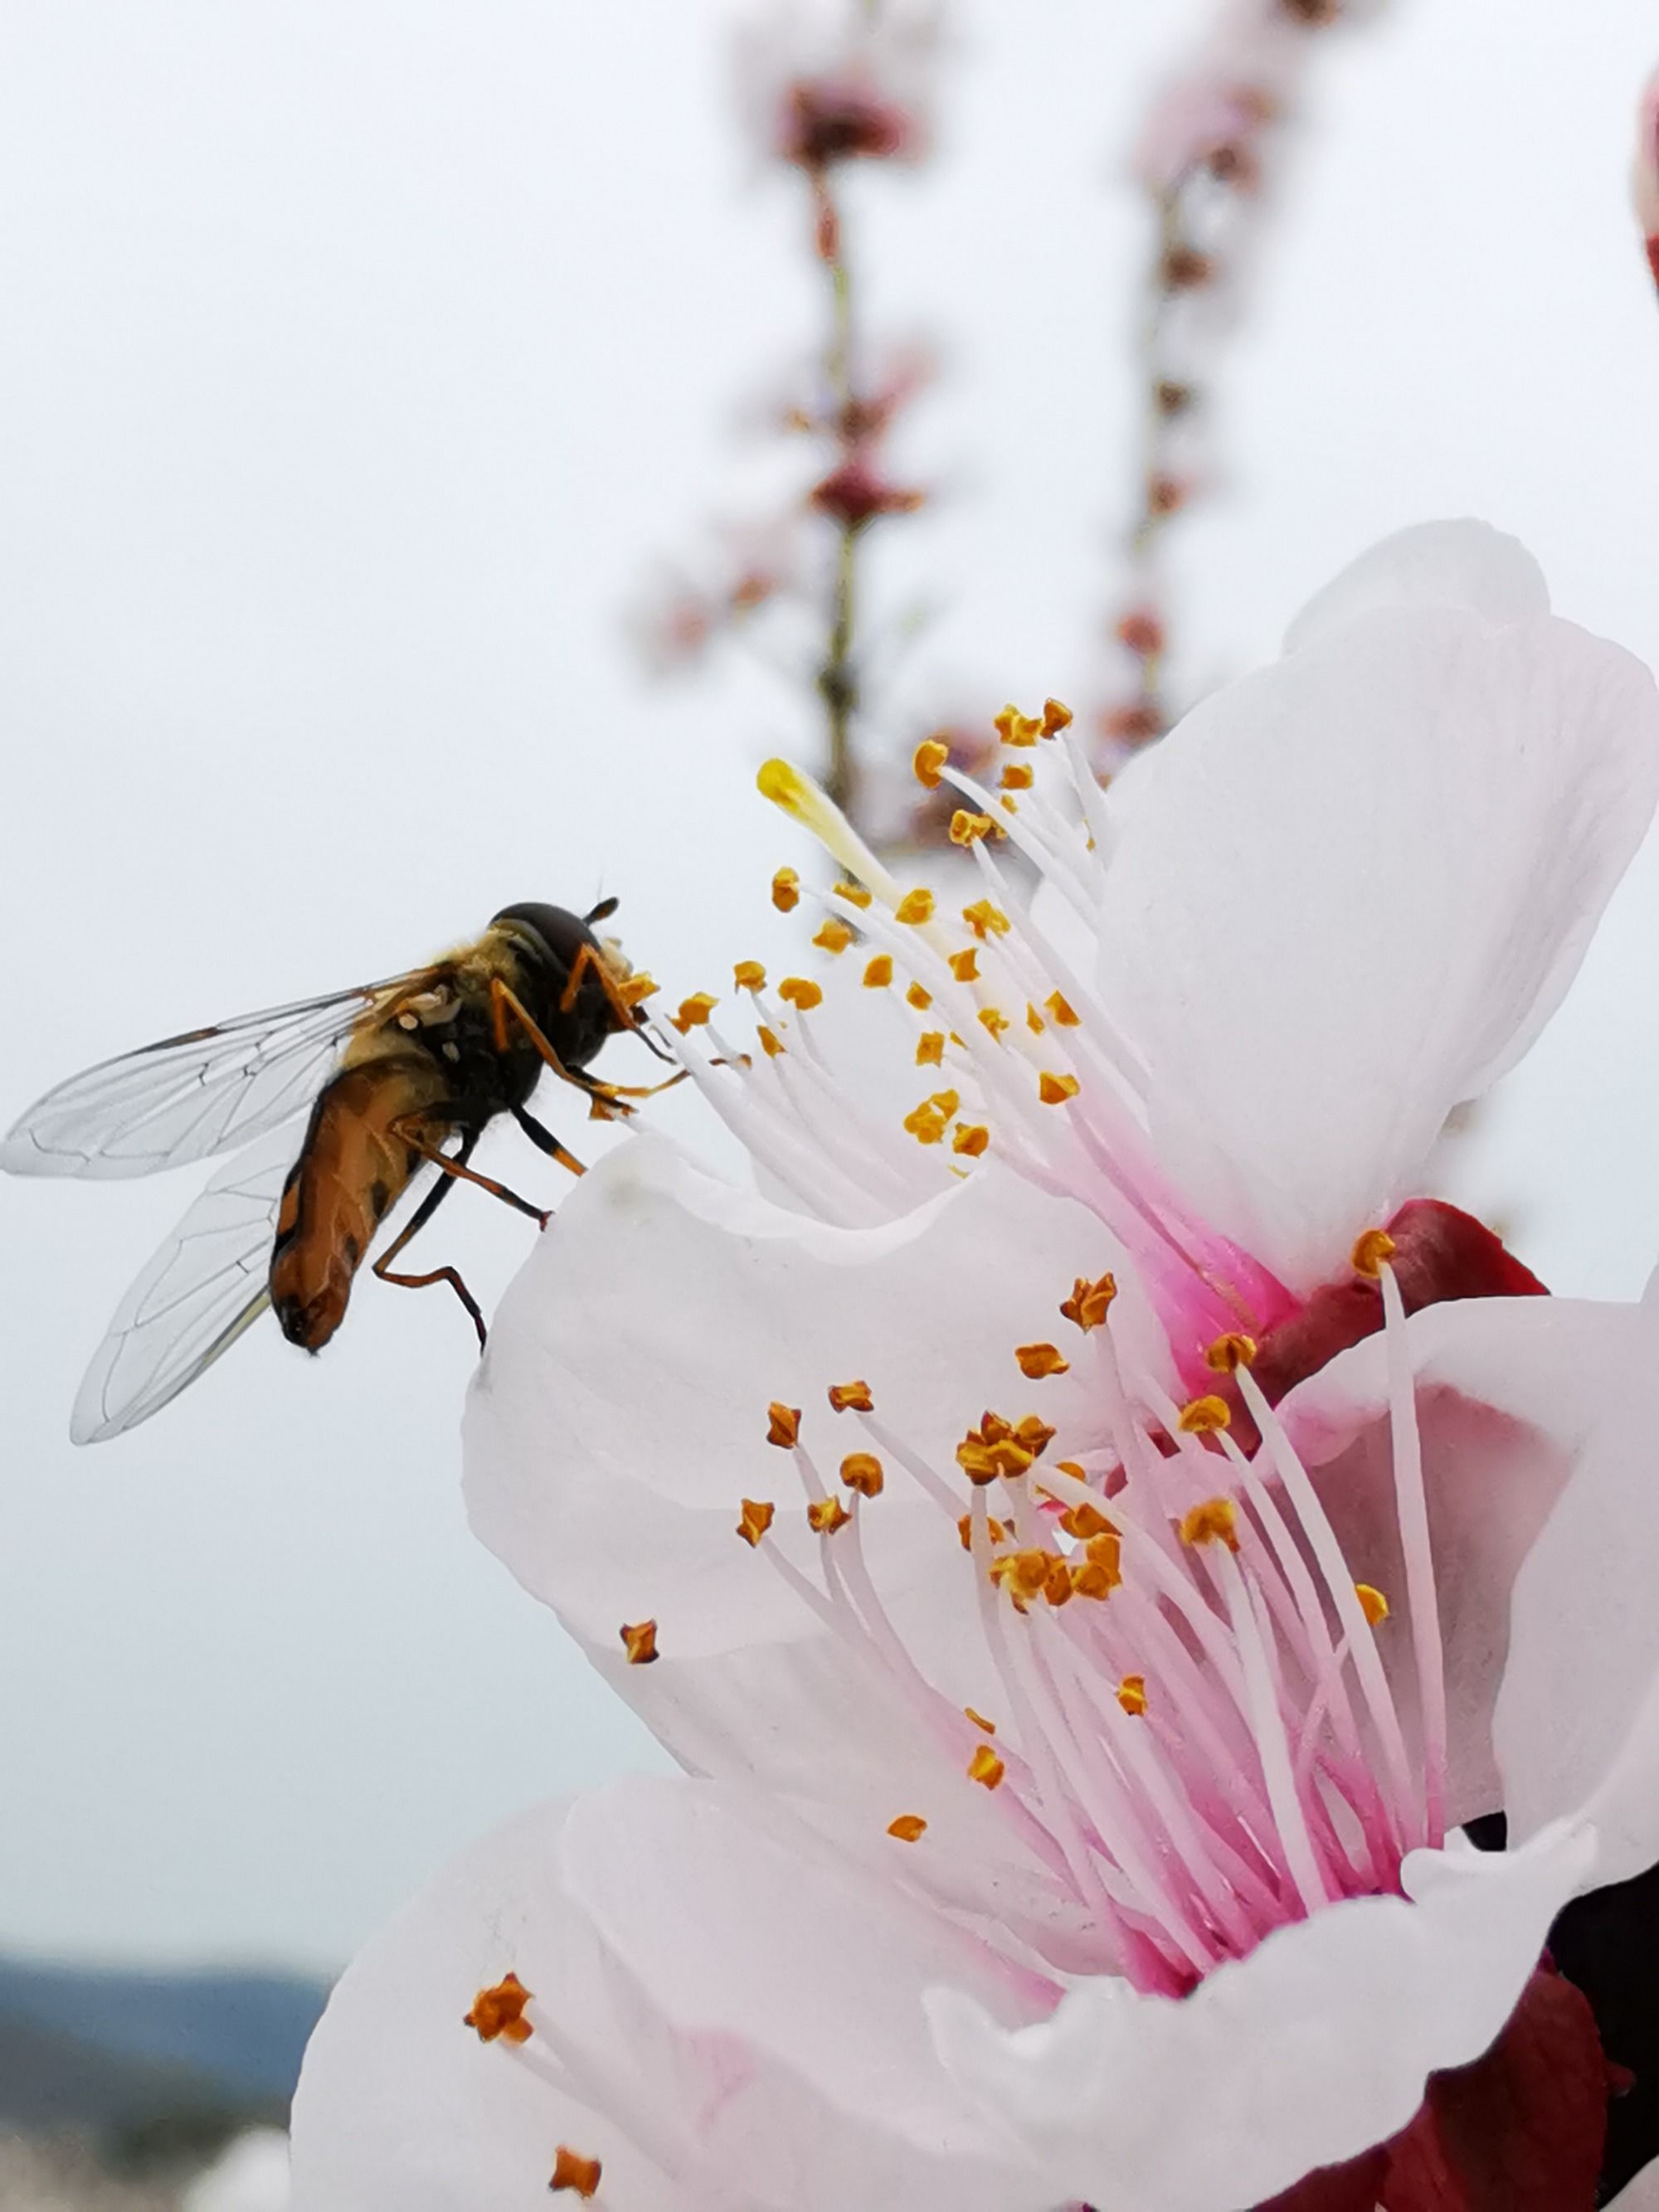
[{"x": 1645, "y": 172}]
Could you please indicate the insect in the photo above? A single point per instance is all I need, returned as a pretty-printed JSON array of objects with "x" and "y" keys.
[{"x": 399, "y": 1079}]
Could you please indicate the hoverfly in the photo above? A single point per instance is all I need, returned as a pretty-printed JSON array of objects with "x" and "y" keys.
[{"x": 399, "y": 1079}]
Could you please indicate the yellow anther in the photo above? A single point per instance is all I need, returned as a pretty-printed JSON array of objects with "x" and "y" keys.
[
  {"x": 1056, "y": 716},
  {"x": 879, "y": 972},
  {"x": 1070, "y": 1467},
  {"x": 916, "y": 906},
  {"x": 861, "y": 1471},
  {"x": 1016, "y": 729},
  {"x": 974, "y": 1458},
  {"x": 785, "y": 889},
  {"x": 966, "y": 829},
  {"x": 1008, "y": 804},
  {"x": 1055, "y": 1090},
  {"x": 1132, "y": 1694},
  {"x": 1202, "y": 1417},
  {"x": 1089, "y": 1301},
  {"x": 757, "y": 1519},
  {"x": 1372, "y": 1603},
  {"x": 965, "y": 1530},
  {"x": 1036, "y": 1435},
  {"x": 694, "y": 1012},
  {"x": 1016, "y": 776},
  {"x": 971, "y": 1137},
  {"x": 926, "y": 1124},
  {"x": 801, "y": 990},
  {"x": 855, "y": 894},
  {"x": 1036, "y": 1360},
  {"x": 825, "y": 1514},
  {"x": 1090, "y": 1581},
  {"x": 1231, "y": 1352},
  {"x": 1214, "y": 1522},
  {"x": 980, "y": 1721},
  {"x": 1084, "y": 1521},
  {"x": 1369, "y": 1251},
  {"x": 930, "y": 1048},
  {"x": 1105, "y": 1552},
  {"x": 833, "y": 934},
  {"x": 927, "y": 761},
  {"x": 1034, "y": 1021},
  {"x": 782, "y": 1425},
  {"x": 1010, "y": 1458},
  {"x": 994, "y": 1020},
  {"x": 749, "y": 975},
  {"x": 909, "y": 1827},
  {"x": 769, "y": 1041},
  {"x": 985, "y": 1767},
  {"x": 1030, "y": 1570},
  {"x": 964, "y": 966},
  {"x": 640, "y": 1642},
  {"x": 637, "y": 989},
  {"x": 986, "y": 920},
  {"x": 572, "y": 2171},
  {"x": 1060, "y": 1007},
  {"x": 851, "y": 1397},
  {"x": 499, "y": 2011},
  {"x": 918, "y": 998},
  {"x": 946, "y": 1103},
  {"x": 1057, "y": 1583}
]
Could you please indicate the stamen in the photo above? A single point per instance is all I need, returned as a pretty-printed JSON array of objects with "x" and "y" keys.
[
  {"x": 909, "y": 1827},
  {"x": 498, "y": 2011},
  {"x": 757, "y": 1519},
  {"x": 797, "y": 795},
  {"x": 782, "y": 1425},
  {"x": 862, "y": 1471},
  {"x": 1038, "y": 1360},
  {"x": 929, "y": 759},
  {"x": 572, "y": 2171},
  {"x": 1132, "y": 1695},
  {"x": 851, "y": 1397},
  {"x": 1412, "y": 1503},
  {"x": 785, "y": 889},
  {"x": 749, "y": 975},
  {"x": 640, "y": 1642}
]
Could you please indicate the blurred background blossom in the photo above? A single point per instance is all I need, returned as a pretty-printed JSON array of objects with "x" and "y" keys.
[{"x": 373, "y": 378}]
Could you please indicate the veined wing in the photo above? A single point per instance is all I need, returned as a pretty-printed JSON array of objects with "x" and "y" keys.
[
  {"x": 194, "y": 1095},
  {"x": 202, "y": 1290}
]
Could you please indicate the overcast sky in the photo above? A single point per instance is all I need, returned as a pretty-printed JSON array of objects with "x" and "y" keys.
[{"x": 356, "y": 358}]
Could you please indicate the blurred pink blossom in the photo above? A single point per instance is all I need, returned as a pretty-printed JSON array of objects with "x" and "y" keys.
[
  {"x": 1645, "y": 172},
  {"x": 820, "y": 85}
]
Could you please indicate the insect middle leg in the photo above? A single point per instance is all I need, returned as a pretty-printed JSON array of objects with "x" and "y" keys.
[
  {"x": 408, "y": 1131},
  {"x": 424, "y": 1212}
]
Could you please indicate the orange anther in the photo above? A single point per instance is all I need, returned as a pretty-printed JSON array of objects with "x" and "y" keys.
[
  {"x": 1202, "y": 1417},
  {"x": 1231, "y": 1352},
  {"x": 916, "y": 906},
  {"x": 572, "y": 2171},
  {"x": 749, "y": 975},
  {"x": 1372, "y": 1603},
  {"x": 851, "y": 1397},
  {"x": 964, "y": 966},
  {"x": 855, "y": 894},
  {"x": 985, "y": 1767},
  {"x": 785, "y": 889},
  {"x": 861, "y": 1471},
  {"x": 499, "y": 2011},
  {"x": 833, "y": 934},
  {"x": 640, "y": 1642},
  {"x": 825, "y": 1514},
  {"x": 1089, "y": 1302},
  {"x": 1055, "y": 1090},
  {"x": 972, "y": 1137},
  {"x": 1370, "y": 1250},
  {"x": 928, "y": 759},
  {"x": 966, "y": 829},
  {"x": 908, "y": 1827},
  {"x": 769, "y": 1041},
  {"x": 1036, "y": 1360},
  {"x": 1084, "y": 1521},
  {"x": 637, "y": 989},
  {"x": 782, "y": 1425},
  {"x": 918, "y": 998},
  {"x": 1132, "y": 1694},
  {"x": 1016, "y": 729},
  {"x": 1060, "y": 1007},
  {"x": 879, "y": 972},
  {"x": 994, "y": 1020},
  {"x": 694, "y": 1012},
  {"x": 801, "y": 990},
  {"x": 1016, "y": 776},
  {"x": 1056, "y": 716},
  {"x": 930, "y": 1048},
  {"x": 986, "y": 920},
  {"x": 757, "y": 1519},
  {"x": 1214, "y": 1522}
]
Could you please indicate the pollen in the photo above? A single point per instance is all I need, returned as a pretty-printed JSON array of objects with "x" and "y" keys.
[
  {"x": 964, "y": 966},
  {"x": 974, "y": 1458},
  {"x": 985, "y": 1767},
  {"x": 1035, "y": 1435},
  {"x": 1105, "y": 1551},
  {"x": 879, "y": 972},
  {"x": 833, "y": 935},
  {"x": 972, "y": 1137},
  {"x": 825, "y": 1514},
  {"x": 909, "y": 1827},
  {"x": 1369, "y": 1251},
  {"x": 637, "y": 989},
  {"x": 916, "y": 906},
  {"x": 1372, "y": 1603},
  {"x": 640, "y": 1642},
  {"x": 930, "y": 1048},
  {"x": 1231, "y": 1352},
  {"x": 1088, "y": 1303},
  {"x": 1089, "y": 1580},
  {"x": 966, "y": 829},
  {"x": 980, "y": 1721},
  {"x": 993, "y": 1018},
  {"x": 694, "y": 1012},
  {"x": 1132, "y": 1694},
  {"x": 927, "y": 761},
  {"x": 1055, "y": 1090},
  {"x": 785, "y": 889},
  {"x": 783, "y": 1425},
  {"x": 801, "y": 990},
  {"x": 499, "y": 2011},
  {"x": 749, "y": 975},
  {"x": 986, "y": 920},
  {"x": 1034, "y": 1021},
  {"x": 1085, "y": 1521},
  {"x": 855, "y": 894},
  {"x": 926, "y": 1124},
  {"x": 918, "y": 998},
  {"x": 572, "y": 2171},
  {"x": 1056, "y": 716},
  {"x": 1060, "y": 1007},
  {"x": 757, "y": 1519},
  {"x": 851, "y": 1397},
  {"x": 965, "y": 1530},
  {"x": 1214, "y": 1522},
  {"x": 1016, "y": 729},
  {"x": 1202, "y": 1417},
  {"x": 769, "y": 1043},
  {"x": 1057, "y": 1582},
  {"x": 1016, "y": 776},
  {"x": 861, "y": 1471},
  {"x": 1036, "y": 1360}
]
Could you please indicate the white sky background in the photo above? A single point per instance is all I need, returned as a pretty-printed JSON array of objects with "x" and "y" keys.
[{"x": 355, "y": 362}]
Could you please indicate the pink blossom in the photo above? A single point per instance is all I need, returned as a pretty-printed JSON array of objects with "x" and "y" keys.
[
  {"x": 1070, "y": 1787},
  {"x": 1645, "y": 172},
  {"x": 824, "y": 84}
]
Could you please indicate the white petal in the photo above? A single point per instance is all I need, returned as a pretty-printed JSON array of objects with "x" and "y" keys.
[
  {"x": 1509, "y": 1391},
  {"x": 400, "y": 2104},
  {"x": 1432, "y": 564},
  {"x": 1347, "y": 892},
  {"x": 1576, "y": 1721},
  {"x": 1304, "y": 2055},
  {"x": 1641, "y": 2195}
]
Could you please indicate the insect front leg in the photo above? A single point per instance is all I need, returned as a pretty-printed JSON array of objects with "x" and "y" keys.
[{"x": 588, "y": 962}]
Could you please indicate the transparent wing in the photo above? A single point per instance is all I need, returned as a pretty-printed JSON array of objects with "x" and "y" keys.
[
  {"x": 192, "y": 1096},
  {"x": 202, "y": 1290}
]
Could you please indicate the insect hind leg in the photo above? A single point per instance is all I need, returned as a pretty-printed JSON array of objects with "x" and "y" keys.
[{"x": 424, "y": 1212}]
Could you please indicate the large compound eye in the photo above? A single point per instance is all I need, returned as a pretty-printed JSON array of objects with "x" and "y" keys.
[{"x": 562, "y": 933}]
